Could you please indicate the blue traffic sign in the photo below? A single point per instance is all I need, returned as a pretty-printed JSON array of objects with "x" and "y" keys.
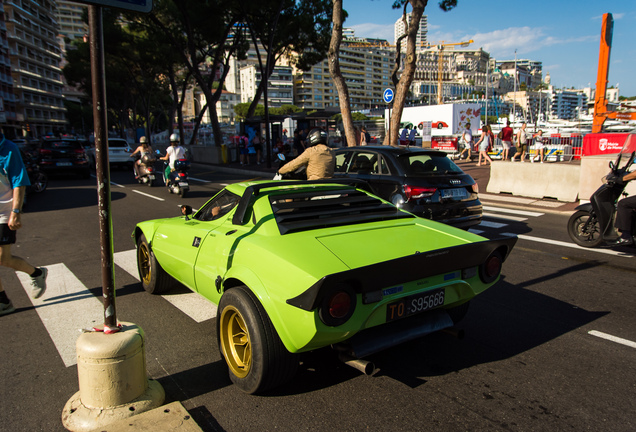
[{"x": 388, "y": 95}]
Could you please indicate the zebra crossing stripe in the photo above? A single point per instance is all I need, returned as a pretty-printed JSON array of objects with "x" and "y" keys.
[
  {"x": 513, "y": 211},
  {"x": 66, "y": 307},
  {"x": 192, "y": 304}
]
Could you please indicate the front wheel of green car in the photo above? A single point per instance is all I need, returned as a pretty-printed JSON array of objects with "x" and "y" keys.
[
  {"x": 153, "y": 277},
  {"x": 256, "y": 358}
]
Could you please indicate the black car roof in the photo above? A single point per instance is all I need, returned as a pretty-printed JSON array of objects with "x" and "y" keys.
[{"x": 397, "y": 151}]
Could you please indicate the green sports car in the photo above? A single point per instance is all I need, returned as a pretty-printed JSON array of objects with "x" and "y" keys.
[{"x": 294, "y": 266}]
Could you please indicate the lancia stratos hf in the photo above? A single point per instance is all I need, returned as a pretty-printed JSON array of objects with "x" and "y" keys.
[{"x": 295, "y": 266}]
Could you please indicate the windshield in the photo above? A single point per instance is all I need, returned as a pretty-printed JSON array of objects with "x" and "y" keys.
[{"x": 418, "y": 164}]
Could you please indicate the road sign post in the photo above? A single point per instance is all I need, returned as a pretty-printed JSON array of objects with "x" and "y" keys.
[{"x": 387, "y": 96}]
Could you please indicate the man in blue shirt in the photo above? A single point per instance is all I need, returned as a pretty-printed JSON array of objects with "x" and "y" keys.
[{"x": 13, "y": 182}]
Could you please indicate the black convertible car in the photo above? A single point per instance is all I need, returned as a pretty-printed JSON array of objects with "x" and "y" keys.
[{"x": 422, "y": 181}]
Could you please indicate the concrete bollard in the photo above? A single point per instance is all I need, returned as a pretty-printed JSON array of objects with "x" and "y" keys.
[{"x": 112, "y": 380}]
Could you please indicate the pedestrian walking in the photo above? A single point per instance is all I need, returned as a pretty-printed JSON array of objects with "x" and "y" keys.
[
  {"x": 484, "y": 143},
  {"x": 257, "y": 143},
  {"x": 467, "y": 141},
  {"x": 522, "y": 144},
  {"x": 13, "y": 182},
  {"x": 506, "y": 140},
  {"x": 539, "y": 146},
  {"x": 365, "y": 137}
]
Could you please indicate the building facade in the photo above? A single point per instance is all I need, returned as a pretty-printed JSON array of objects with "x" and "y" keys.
[
  {"x": 399, "y": 28},
  {"x": 366, "y": 68},
  {"x": 8, "y": 114},
  {"x": 280, "y": 89},
  {"x": 35, "y": 66}
]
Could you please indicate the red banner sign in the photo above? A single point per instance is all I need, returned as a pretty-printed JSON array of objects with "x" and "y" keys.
[
  {"x": 447, "y": 144},
  {"x": 603, "y": 143}
]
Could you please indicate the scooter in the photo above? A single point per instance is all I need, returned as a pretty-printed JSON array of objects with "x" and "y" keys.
[
  {"x": 177, "y": 182},
  {"x": 145, "y": 171},
  {"x": 593, "y": 222}
]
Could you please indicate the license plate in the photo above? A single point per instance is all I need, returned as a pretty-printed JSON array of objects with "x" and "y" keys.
[
  {"x": 63, "y": 164},
  {"x": 151, "y": 177},
  {"x": 183, "y": 184},
  {"x": 454, "y": 193},
  {"x": 415, "y": 304}
]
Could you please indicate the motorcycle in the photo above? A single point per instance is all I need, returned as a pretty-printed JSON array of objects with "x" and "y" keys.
[
  {"x": 299, "y": 174},
  {"x": 145, "y": 171},
  {"x": 38, "y": 179},
  {"x": 593, "y": 222},
  {"x": 177, "y": 182}
]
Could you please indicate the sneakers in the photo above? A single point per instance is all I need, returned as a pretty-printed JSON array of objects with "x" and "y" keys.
[
  {"x": 6, "y": 308},
  {"x": 38, "y": 284},
  {"x": 622, "y": 241}
]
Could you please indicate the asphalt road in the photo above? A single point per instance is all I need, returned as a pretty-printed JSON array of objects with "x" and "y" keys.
[{"x": 535, "y": 356}]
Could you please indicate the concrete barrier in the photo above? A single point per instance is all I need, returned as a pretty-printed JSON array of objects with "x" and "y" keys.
[
  {"x": 535, "y": 180},
  {"x": 593, "y": 169},
  {"x": 206, "y": 154}
]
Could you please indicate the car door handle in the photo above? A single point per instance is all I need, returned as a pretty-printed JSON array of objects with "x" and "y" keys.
[{"x": 230, "y": 232}]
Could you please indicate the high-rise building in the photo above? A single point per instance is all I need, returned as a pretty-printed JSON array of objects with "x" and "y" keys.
[
  {"x": 69, "y": 19},
  {"x": 7, "y": 98},
  {"x": 35, "y": 65},
  {"x": 420, "y": 40}
]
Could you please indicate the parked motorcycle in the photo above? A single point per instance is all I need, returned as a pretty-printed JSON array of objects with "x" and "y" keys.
[
  {"x": 145, "y": 171},
  {"x": 177, "y": 182},
  {"x": 593, "y": 222},
  {"x": 39, "y": 180}
]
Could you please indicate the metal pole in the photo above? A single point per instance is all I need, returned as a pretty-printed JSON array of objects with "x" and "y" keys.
[{"x": 101, "y": 161}]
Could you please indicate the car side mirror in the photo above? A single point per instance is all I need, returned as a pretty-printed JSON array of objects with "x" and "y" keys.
[{"x": 186, "y": 210}]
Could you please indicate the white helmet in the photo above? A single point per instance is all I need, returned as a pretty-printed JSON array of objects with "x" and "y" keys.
[
  {"x": 174, "y": 137},
  {"x": 142, "y": 140}
]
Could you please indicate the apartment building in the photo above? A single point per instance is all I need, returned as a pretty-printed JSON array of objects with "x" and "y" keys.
[
  {"x": 280, "y": 89},
  {"x": 35, "y": 65},
  {"x": 399, "y": 28},
  {"x": 8, "y": 116},
  {"x": 366, "y": 68}
]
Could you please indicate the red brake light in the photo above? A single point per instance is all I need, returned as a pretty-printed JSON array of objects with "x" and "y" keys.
[
  {"x": 416, "y": 192},
  {"x": 490, "y": 269},
  {"x": 339, "y": 305},
  {"x": 182, "y": 175},
  {"x": 45, "y": 152}
]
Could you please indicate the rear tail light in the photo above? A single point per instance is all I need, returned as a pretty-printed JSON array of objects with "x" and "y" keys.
[
  {"x": 415, "y": 192},
  {"x": 44, "y": 152},
  {"x": 337, "y": 305},
  {"x": 476, "y": 188},
  {"x": 491, "y": 268},
  {"x": 182, "y": 175}
]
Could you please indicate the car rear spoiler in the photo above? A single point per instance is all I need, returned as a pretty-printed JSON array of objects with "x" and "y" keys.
[
  {"x": 240, "y": 215},
  {"x": 372, "y": 279}
]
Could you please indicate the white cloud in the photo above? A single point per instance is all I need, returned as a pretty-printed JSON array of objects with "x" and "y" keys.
[{"x": 371, "y": 30}]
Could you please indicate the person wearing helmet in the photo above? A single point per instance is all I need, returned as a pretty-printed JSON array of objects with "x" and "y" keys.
[
  {"x": 144, "y": 149},
  {"x": 319, "y": 159},
  {"x": 173, "y": 153}
]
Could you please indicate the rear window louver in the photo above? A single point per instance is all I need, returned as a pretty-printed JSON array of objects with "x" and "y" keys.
[{"x": 309, "y": 210}]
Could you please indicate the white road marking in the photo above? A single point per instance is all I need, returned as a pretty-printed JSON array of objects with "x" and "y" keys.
[
  {"x": 497, "y": 216},
  {"x": 148, "y": 195},
  {"x": 570, "y": 245},
  {"x": 192, "y": 304},
  {"x": 66, "y": 307},
  {"x": 200, "y": 180},
  {"x": 612, "y": 338},
  {"x": 513, "y": 211}
]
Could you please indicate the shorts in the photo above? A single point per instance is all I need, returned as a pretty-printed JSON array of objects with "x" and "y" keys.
[
  {"x": 244, "y": 151},
  {"x": 507, "y": 145},
  {"x": 483, "y": 146},
  {"x": 523, "y": 148},
  {"x": 7, "y": 235},
  {"x": 258, "y": 147}
]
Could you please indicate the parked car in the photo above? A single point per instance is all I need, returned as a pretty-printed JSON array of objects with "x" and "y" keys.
[
  {"x": 422, "y": 181},
  {"x": 119, "y": 152},
  {"x": 61, "y": 156},
  {"x": 296, "y": 266}
]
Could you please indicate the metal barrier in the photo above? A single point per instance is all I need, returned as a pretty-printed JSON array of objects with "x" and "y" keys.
[{"x": 558, "y": 148}]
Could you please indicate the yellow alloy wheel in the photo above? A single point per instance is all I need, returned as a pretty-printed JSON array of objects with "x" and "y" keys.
[
  {"x": 235, "y": 342},
  {"x": 145, "y": 266}
]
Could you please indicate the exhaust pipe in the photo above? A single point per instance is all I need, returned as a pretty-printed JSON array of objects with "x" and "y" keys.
[{"x": 364, "y": 366}]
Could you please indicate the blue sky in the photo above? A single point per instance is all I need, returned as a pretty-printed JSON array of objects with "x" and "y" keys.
[{"x": 563, "y": 35}]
